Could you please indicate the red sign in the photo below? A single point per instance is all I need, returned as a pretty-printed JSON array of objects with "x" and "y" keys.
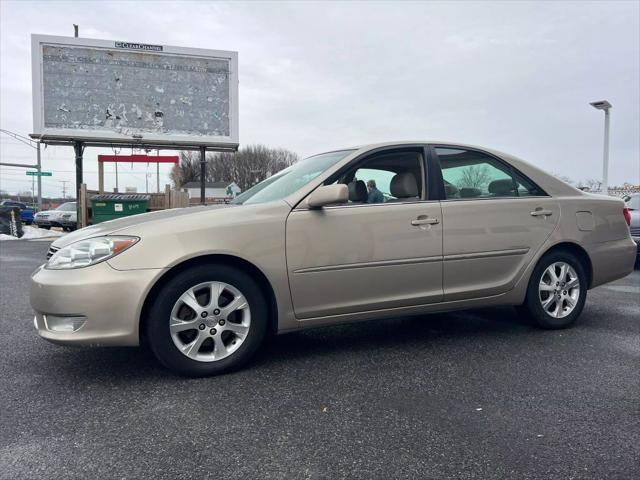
[{"x": 139, "y": 158}]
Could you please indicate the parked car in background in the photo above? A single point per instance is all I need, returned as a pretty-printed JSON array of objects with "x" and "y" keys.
[
  {"x": 26, "y": 212},
  {"x": 65, "y": 216},
  {"x": 460, "y": 227},
  {"x": 633, "y": 204}
]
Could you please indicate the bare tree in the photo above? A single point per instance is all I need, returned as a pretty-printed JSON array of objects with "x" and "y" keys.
[
  {"x": 246, "y": 167},
  {"x": 474, "y": 176},
  {"x": 186, "y": 170},
  {"x": 249, "y": 165},
  {"x": 593, "y": 185}
]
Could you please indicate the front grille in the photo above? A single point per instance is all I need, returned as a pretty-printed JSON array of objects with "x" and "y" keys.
[
  {"x": 51, "y": 251},
  {"x": 635, "y": 231}
]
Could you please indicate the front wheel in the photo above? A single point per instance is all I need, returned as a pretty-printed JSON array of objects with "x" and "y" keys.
[
  {"x": 207, "y": 320},
  {"x": 557, "y": 291}
]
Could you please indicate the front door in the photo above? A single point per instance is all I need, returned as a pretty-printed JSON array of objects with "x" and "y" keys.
[{"x": 383, "y": 249}]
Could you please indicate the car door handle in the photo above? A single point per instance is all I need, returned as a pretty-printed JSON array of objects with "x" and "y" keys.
[
  {"x": 424, "y": 220},
  {"x": 541, "y": 213}
]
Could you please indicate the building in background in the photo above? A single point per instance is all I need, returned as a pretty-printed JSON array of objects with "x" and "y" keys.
[{"x": 223, "y": 189}]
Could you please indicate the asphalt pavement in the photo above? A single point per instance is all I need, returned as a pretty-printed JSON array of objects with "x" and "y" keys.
[{"x": 478, "y": 394}]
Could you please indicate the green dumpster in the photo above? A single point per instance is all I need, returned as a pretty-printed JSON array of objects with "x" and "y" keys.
[{"x": 115, "y": 205}]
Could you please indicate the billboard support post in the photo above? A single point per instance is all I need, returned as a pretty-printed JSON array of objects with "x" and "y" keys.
[
  {"x": 203, "y": 169},
  {"x": 39, "y": 164},
  {"x": 78, "y": 148}
]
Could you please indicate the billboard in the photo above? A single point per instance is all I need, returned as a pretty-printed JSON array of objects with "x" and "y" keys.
[{"x": 104, "y": 92}]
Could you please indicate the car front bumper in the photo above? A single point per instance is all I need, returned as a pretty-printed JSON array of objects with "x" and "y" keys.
[
  {"x": 105, "y": 301},
  {"x": 46, "y": 222}
]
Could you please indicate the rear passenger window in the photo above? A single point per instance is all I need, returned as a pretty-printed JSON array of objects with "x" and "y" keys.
[{"x": 471, "y": 174}]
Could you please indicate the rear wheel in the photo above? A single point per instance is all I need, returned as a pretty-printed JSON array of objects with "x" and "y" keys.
[
  {"x": 207, "y": 320},
  {"x": 557, "y": 290}
]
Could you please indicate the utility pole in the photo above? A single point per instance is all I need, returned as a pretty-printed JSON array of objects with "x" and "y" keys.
[{"x": 64, "y": 188}]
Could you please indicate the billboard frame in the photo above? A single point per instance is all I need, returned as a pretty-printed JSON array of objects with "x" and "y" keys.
[{"x": 99, "y": 138}]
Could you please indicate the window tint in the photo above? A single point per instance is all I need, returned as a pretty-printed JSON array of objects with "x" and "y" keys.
[
  {"x": 384, "y": 178},
  {"x": 470, "y": 174}
]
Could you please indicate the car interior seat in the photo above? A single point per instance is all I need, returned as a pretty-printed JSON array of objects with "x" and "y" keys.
[
  {"x": 470, "y": 192},
  {"x": 451, "y": 191},
  {"x": 357, "y": 191},
  {"x": 404, "y": 186},
  {"x": 502, "y": 188}
]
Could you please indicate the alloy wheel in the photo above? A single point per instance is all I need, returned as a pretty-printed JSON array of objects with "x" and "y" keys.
[
  {"x": 559, "y": 290},
  {"x": 210, "y": 321}
]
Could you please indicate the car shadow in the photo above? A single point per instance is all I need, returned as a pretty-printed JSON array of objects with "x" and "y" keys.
[
  {"x": 126, "y": 364},
  {"x": 406, "y": 332}
]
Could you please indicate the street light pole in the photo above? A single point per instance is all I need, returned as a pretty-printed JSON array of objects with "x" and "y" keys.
[
  {"x": 606, "y": 106},
  {"x": 605, "y": 155}
]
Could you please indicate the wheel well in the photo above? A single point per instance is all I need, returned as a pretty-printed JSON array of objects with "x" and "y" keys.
[
  {"x": 580, "y": 253},
  {"x": 216, "y": 259}
]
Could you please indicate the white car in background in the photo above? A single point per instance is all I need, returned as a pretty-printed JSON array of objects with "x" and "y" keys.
[
  {"x": 632, "y": 202},
  {"x": 64, "y": 216}
]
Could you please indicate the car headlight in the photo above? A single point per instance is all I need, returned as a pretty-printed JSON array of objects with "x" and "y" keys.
[{"x": 89, "y": 252}]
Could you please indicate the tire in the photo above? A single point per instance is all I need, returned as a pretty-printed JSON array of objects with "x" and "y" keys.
[
  {"x": 560, "y": 306},
  {"x": 46, "y": 227},
  {"x": 166, "y": 344}
]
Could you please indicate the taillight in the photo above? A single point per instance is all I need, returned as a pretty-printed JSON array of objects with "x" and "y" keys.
[{"x": 627, "y": 216}]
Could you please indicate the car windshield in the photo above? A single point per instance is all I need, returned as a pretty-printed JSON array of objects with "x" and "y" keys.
[
  {"x": 291, "y": 179},
  {"x": 67, "y": 207},
  {"x": 633, "y": 203}
]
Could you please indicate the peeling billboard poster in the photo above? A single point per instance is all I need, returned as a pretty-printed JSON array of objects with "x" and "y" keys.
[{"x": 105, "y": 91}]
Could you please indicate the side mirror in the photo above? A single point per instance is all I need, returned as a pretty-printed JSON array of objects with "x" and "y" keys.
[{"x": 328, "y": 195}]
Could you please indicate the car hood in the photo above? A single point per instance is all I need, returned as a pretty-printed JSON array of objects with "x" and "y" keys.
[
  {"x": 50, "y": 212},
  {"x": 113, "y": 226}
]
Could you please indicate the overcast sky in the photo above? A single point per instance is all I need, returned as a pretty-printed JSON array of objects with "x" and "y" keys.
[{"x": 515, "y": 76}]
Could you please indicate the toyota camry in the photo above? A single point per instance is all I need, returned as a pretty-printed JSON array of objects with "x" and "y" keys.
[{"x": 378, "y": 231}]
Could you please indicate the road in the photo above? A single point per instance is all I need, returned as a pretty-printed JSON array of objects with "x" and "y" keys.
[{"x": 478, "y": 394}]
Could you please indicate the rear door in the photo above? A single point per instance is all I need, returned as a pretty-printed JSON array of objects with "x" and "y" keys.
[{"x": 495, "y": 221}]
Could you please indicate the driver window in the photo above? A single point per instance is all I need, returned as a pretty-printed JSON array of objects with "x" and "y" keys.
[{"x": 385, "y": 178}]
